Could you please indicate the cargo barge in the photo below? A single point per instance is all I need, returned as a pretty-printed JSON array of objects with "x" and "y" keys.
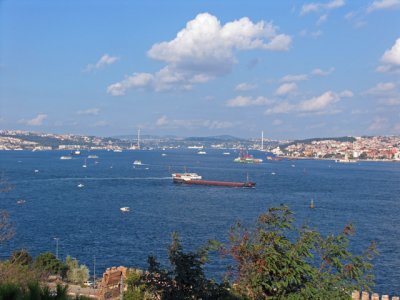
[{"x": 195, "y": 179}]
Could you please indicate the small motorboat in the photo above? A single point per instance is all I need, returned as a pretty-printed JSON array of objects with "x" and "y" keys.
[
  {"x": 80, "y": 185},
  {"x": 124, "y": 209},
  {"x": 21, "y": 201}
]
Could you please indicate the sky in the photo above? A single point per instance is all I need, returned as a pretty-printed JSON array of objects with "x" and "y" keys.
[{"x": 293, "y": 69}]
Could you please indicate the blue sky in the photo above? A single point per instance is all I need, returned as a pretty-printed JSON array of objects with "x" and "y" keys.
[{"x": 293, "y": 69}]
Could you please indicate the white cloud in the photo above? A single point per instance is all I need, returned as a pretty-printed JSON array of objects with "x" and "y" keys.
[
  {"x": 286, "y": 89},
  {"x": 390, "y": 101},
  {"x": 303, "y": 77},
  {"x": 346, "y": 93},
  {"x": 319, "y": 72},
  {"x": 102, "y": 62},
  {"x": 245, "y": 87},
  {"x": 392, "y": 56},
  {"x": 203, "y": 50},
  {"x": 90, "y": 111},
  {"x": 320, "y": 104},
  {"x": 299, "y": 77},
  {"x": 243, "y": 101},
  {"x": 36, "y": 121},
  {"x": 381, "y": 88},
  {"x": 164, "y": 122},
  {"x": 322, "y": 19},
  {"x": 312, "y": 34},
  {"x": 135, "y": 81},
  {"x": 281, "y": 108},
  {"x": 318, "y": 7},
  {"x": 383, "y": 4}
]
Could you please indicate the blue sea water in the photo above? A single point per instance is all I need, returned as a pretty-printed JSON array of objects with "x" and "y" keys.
[{"x": 88, "y": 221}]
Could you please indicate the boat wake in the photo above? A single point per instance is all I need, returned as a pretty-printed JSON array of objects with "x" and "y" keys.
[{"x": 93, "y": 179}]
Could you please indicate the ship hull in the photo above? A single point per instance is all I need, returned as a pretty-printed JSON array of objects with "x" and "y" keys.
[{"x": 248, "y": 184}]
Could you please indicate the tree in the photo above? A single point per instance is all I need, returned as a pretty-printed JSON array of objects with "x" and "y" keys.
[
  {"x": 275, "y": 260},
  {"x": 48, "y": 264},
  {"x": 76, "y": 273},
  {"x": 186, "y": 278},
  {"x": 21, "y": 257}
]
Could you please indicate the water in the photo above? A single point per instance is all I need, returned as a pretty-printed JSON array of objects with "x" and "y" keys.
[{"x": 88, "y": 221}]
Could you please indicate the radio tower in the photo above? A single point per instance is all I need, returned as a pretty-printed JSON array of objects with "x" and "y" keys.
[
  {"x": 138, "y": 139},
  {"x": 262, "y": 140}
]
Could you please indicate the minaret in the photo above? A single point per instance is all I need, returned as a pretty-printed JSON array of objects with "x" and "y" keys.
[
  {"x": 262, "y": 140},
  {"x": 138, "y": 139}
]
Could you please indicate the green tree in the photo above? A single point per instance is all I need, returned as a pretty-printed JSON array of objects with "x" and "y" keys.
[
  {"x": 275, "y": 260},
  {"x": 21, "y": 257},
  {"x": 186, "y": 278},
  {"x": 76, "y": 273},
  {"x": 48, "y": 264}
]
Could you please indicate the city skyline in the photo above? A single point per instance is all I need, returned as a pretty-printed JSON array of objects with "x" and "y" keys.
[{"x": 293, "y": 70}]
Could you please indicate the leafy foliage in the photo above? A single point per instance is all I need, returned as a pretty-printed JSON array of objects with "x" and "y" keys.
[
  {"x": 76, "y": 273},
  {"x": 48, "y": 264},
  {"x": 21, "y": 257},
  {"x": 186, "y": 279},
  {"x": 32, "y": 291},
  {"x": 275, "y": 260}
]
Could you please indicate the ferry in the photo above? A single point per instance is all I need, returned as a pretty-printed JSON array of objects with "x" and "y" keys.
[
  {"x": 247, "y": 159},
  {"x": 194, "y": 178},
  {"x": 65, "y": 157}
]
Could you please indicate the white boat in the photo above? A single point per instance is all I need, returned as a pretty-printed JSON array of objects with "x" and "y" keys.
[
  {"x": 163, "y": 154},
  {"x": 226, "y": 153},
  {"x": 346, "y": 161},
  {"x": 21, "y": 201},
  {"x": 202, "y": 152},
  {"x": 76, "y": 152},
  {"x": 92, "y": 156},
  {"x": 65, "y": 157},
  {"x": 117, "y": 150},
  {"x": 80, "y": 185},
  {"x": 124, "y": 209},
  {"x": 84, "y": 165},
  {"x": 185, "y": 176},
  {"x": 137, "y": 162},
  {"x": 36, "y": 171}
]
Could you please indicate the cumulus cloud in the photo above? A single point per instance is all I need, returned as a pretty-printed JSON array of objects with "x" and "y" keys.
[
  {"x": 102, "y": 62},
  {"x": 242, "y": 101},
  {"x": 36, "y": 121},
  {"x": 164, "y": 122},
  {"x": 383, "y": 4},
  {"x": 390, "y": 101},
  {"x": 318, "y": 6},
  {"x": 381, "y": 88},
  {"x": 286, "y": 89},
  {"x": 319, "y": 72},
  {"x": 299, "y": 77},
  {"x": 313, "y": 34},
  {"x": 319, "y": 104},
  {"x": 90, "y": 111},
  {"x": 203, "y": 50},
  {"x": 322, "y": 19},
  {"x": 391, "y": 59},
  {"x": 245, "y": 87},
  {"x": 137, "y": 80},
  {"x": 303, "y": 77},
  {"x": 392, "y": 56}
]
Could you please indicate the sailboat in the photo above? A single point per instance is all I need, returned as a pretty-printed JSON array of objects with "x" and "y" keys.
[{"x": 84, "y": 165}]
